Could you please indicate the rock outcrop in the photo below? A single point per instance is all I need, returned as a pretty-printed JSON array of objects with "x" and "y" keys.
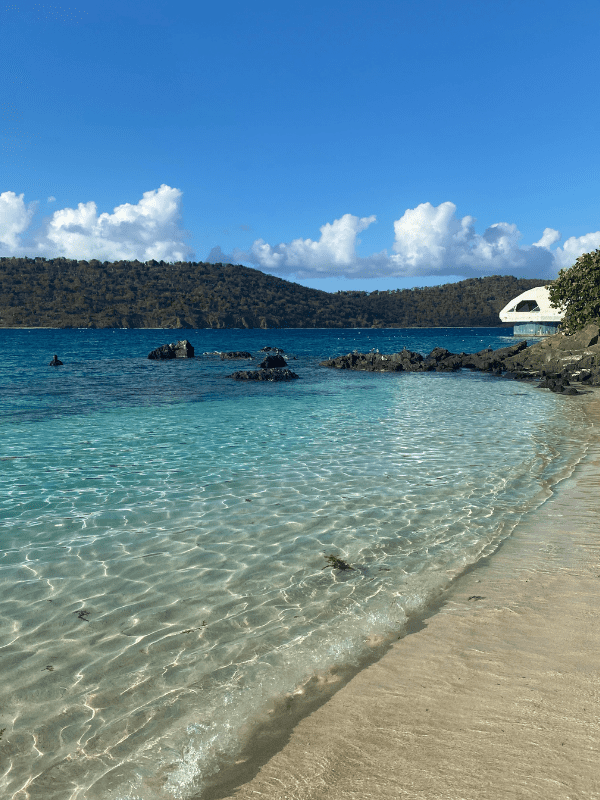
[
  {"x": 182, "y": 349},
  {"x": 557, "y": 360},
  {"x": 575, "y": 357}
]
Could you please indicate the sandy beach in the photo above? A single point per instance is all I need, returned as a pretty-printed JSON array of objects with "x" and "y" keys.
[{"x": 496, "y": 696}]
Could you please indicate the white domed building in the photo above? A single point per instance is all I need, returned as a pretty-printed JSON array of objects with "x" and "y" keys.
[{"x": 531, "y": 313}]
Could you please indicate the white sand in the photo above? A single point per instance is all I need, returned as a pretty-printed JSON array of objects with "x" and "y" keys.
[{"x": 494, "y": 698}]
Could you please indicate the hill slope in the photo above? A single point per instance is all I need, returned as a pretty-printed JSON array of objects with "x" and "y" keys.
[{"x": 60, "y": 293}]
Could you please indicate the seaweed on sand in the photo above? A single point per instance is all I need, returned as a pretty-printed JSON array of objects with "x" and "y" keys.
[{"x": 336, "y": 563}]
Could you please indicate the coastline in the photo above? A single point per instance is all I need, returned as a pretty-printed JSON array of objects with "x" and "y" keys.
[{"x": 495, "y": 696}]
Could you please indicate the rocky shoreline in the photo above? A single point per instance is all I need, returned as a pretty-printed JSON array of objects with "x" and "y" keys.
[{"x": 557, "y": 361}]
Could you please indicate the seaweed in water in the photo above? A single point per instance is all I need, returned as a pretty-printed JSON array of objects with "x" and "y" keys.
[{"x": 336, "y": 563}]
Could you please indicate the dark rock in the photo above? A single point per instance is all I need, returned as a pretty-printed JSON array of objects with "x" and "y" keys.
[
  {"x": 377, "y": 362},
  {"x": 570, "y": 390},
  {"x": 182, "y": 349},
  {"x": 273, "y": 362},
  {"x": 264, "y": 375},
  {"x": 271, "y": 350},
  {"x": 442, "y": 360},
  {"x": 236, "y": 354},
  {"x": 492, "y": 360},
  {"x": 55, "y": 362}
]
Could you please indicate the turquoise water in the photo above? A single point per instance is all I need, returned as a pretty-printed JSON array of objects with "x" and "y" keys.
[{"x": 164, "y": 529}]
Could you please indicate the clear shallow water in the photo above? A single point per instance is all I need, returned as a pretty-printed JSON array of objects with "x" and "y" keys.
[{"x": 163, "y": 533}]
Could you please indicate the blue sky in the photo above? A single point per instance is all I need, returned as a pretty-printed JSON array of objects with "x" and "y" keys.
[{"x": 341, "y": 144}]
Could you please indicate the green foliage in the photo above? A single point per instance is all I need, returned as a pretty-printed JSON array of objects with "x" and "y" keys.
[
  {"x": 61, "y": 293},
  {"x": 578, "y": 290}
]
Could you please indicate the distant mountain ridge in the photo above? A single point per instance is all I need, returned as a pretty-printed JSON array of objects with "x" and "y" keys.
[{"x": 62, "y": 293}]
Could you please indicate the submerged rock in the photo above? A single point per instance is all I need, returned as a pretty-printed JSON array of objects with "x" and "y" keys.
[
  {"x": 182, "y": 349},
  {"x": 264, "y": 375},
  {"x": 236, "y": 354}
]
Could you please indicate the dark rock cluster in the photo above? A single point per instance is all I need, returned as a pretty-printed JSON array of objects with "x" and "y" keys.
[
  {"x": 271, "y": 368},
  {"x": 439, "y": 360},
  {"x": 557, "y": 360},
  {"x": 182, "y": 349}
]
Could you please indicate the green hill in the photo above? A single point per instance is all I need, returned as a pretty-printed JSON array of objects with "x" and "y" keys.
[{"x": 60, "y": 293}]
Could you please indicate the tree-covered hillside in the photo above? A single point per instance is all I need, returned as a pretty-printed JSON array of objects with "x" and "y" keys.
[{"x": 61, "y": 293}]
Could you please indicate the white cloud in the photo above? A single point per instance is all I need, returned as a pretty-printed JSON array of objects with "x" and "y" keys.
[
  {"x": 334, "y": 253},
  {"x": 146, "y": 230},
  {"x": 433, "y": 240},
  {"x": 549, "y": 237},
  {"x": 51, "y": 199},
  {"x": 15, "y": 218},
  {"x": 429, "y": 240}
]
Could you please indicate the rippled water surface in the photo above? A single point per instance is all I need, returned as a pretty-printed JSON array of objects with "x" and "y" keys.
[{"x": 164, "y": 529}]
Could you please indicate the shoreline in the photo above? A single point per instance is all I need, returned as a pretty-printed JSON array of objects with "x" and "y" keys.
[{"x": 494, "y": 696}]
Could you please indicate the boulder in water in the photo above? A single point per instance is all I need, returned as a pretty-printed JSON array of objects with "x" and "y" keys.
[
  {"x": 182, "y": 349},
  {"x": 273, "y": 362}
]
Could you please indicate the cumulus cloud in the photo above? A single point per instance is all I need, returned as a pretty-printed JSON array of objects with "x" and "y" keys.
[
  {"x": 145, "y": 230},
  {"x": 333, "y": 253},
  {"x": 436, "y": 240},
  {"x": 428, "y": 240},
  {"x": 15, "y": 218},
  {"x": 549, "y": 237}
]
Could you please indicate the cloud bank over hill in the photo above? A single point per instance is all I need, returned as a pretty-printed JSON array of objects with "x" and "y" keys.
[{"x": 428, "y": 240}]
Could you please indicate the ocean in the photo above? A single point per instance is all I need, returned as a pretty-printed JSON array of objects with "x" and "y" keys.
[{"x": 165, "y": 587}]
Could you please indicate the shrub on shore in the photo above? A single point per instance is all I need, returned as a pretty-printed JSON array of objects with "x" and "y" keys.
[{"x": 577, "y": 289}]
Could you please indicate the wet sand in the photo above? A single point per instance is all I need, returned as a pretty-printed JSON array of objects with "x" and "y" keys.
[{"x": 496, "y": 696}]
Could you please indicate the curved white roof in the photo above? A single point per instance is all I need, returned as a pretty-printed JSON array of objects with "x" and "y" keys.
[{"x": 531, "y": 306}]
